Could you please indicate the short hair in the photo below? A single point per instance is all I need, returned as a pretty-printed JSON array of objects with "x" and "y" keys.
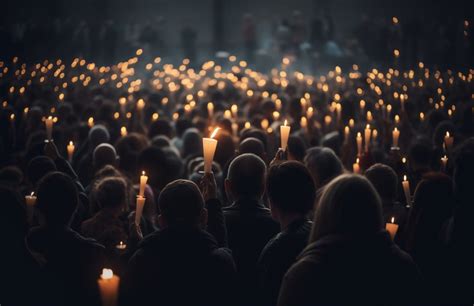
[
  {"x": 296, "y": 147},
  {"x": 290, "y": 187},
  {"x": 421, "y": 152},
  {"x": 38, "y": 167},
  {"x": 181, "y": 202},
  {"x": 57, "y": 198},
  {"x": 252, "y": 145},
  {"x": 98, "y": 134},
  {"x": 384, "y": 179},
  {"x": 104, "y": 154},
  {"x": 349, "y": 205},
  {"x": 323, "y": 164},
  {"x": 247, "y": 175},
  {"x": 111, "y": 192}
]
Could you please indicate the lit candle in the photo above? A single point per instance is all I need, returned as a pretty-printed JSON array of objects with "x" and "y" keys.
[
  {"x": 140, "y": 105},
  {"x": 448, "y": 141},
  {"x": 359, "y": 143},
  {"x": 209, "y": 146},
  {"x": 70, "y": 150},
  {"x": 121, "y": 246},
  {"x": 143, "y": 180},
  {"x": 395, "y": 136},
  {"x": 139, "y": 209},
  {"x": 49, "y": 127},
  {"x": 406, "y": 189},
  {"x": 30, "y": 199},
  {"x": 284, "y": 134},
  {"x": 234, "y": 109},
  {"x": 90, "y": 122},
  {"x": 304, "y": 123},
  {"x": 392, "y": 228},
  {"x": 356, "y": 167},
  {"x": 444, "y": 162},
  {"x": 123, "y": 131},
  {"x": 264, "y": 124},
  {"x": 346, "y": 133},
  {"x": 108, "y": 287},
  {"x": 210, "y": 109},
  {"x": 367, "y": 134}
]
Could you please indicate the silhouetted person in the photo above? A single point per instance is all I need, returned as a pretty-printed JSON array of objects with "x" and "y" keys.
[
  {"x": 249, "y": 223},
  {"x": 350, "y": 258},
  {"x": 181, "y": 264},
  {"x": 72, "y": 263},
  {"x": 291, "y": 194},
  {"x": 323, "y": 164}
]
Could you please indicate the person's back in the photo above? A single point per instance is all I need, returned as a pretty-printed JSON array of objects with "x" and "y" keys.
[
  {"x": 71, "y": 262},
  {"x": 181, "y": 264},
  {"x": 249, "y": 223},
  {"x": 350, "y": 261}
]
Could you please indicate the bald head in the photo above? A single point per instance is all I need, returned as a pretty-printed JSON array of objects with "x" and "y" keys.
[
  {"x": 246, "y": 176},
  {"x": 104, "y": 154},
  {"x": 252, "y": 145}
]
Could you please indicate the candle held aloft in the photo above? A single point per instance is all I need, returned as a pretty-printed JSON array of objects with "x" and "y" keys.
[
  {"x": 139, "y": 209},
  {"x": 448, "y": 141},
  {"x": 143, "y": 180},
  {"x": 395, "y": 136},
  {"x": 108, "y": 287},
  {"x": 359, "y": 143},
  {"x": 392, "y": 228},
  {"x": 209, "y": 146},
  {"x": 49, "y": 127},
  {"x": 284, "y": 134},
  {"x": 406, "y": 189},
  {"x": 70, "y": 151},
  {"x": 367, "y": 134}
]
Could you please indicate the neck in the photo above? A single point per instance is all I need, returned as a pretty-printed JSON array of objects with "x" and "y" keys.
[{"x": 286, "y": 219}]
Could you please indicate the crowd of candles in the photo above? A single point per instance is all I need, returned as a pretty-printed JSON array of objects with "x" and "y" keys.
[{"x": 370, "y": 110}]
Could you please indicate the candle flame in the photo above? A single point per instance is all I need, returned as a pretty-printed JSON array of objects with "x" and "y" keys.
[
  {"x": 32, "y": 194},
  {"x": 215, "y": 132},
  {"x": 70, "y": 143},
  {"x": 393, "y": 220},
  {"x": 447, "y": 134},
  {"x": 107, "y": 274},
  {"x": 404, "y": 178},
  {"x": 143, "y": 173},
  {"x": 357, "y": 160},
  {"x": 286, "y": 122}
]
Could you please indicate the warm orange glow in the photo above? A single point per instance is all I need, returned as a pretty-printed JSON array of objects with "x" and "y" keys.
[
  {"x": 107, "y": 274},
  {"x": 215, "y": 132}
]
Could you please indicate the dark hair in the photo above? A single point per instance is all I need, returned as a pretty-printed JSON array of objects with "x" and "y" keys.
[
  {"x": 160, "y": 127},
  {"x": 323, "y": 165},
  {"x": 247, "y": 175},
  {"x": 181, "y": 202},
  {"x": 290, "y": 187},
  {"x": 38, "y": 167},
  {"x": 421, "y": 152},
  {"x": 296, "y": 147},
  {"x": 57, "y": 199},
  {"x": 252, "y": 145},
  {"x": 384, "y": 179},
  {"x": 111, "y": 192},
  {"x": 348, "y": 206}
]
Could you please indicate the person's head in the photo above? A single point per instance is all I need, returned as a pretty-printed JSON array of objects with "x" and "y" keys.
[
  {"x": 57, "y": 199},
  {"x": 323, "y": 164},
  {"x": 98, "y": 134},
  {"x": 290, "y": 189},
  {"x": 104, "y": 154},
  {"x": 246, "y": 177},
  {"x": 296, "y": 148},
  {"x": 38, "y": 167},
  {"x": 254, "y": 146},
  {"x": 420, "y": 154},
  {"x": 385, "y": 181},
  {"x": 11, "y": 176},
  {"x": 160, "y": 127},
  {"x": 181, "y": 204},
  {"x": 225, "y": 149},
  {"x": 464, "y": 171},
  {"x": 349, "y": 206},
  {"x": 111, "y": 194},
  {"x": 192, "y": 143}
]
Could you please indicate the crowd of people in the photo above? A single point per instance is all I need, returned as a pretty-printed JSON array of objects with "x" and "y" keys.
[{"x": 370, "y": 202}]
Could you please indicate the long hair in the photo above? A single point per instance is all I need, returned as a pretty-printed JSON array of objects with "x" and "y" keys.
[{"x": 350, "y": 206}]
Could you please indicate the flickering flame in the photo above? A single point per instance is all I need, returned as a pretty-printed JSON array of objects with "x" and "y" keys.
[
  {"x": 70, "y": 143},
  {"x": 143, "y": 173},
  {"x": 215, "y": 132},
  {"x": 32, "y": 193},
  {"x": 393, "y": 220},
  {"x": 404, "y": 178},
  {"x": 286, "y": 122},
  {"x": 107, "y": 274},
  {"x": 447, "y": 134}
]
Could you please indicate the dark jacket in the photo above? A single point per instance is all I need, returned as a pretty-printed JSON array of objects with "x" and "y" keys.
[
  {"x": 72, "y": 265},
  {"x": 278, "y": 256},
  {"x": 350, "y": 270},
  {"x": 249, "y": 228},
  {"x": 179, "y": 266}
]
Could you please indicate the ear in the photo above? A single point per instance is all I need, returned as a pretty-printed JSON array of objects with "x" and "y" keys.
[
  {"x": 162, "y": 222},
  {"x": 203, "y": 218}
]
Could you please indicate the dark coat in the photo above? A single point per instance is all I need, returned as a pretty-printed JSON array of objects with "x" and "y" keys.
[
  {"x": 179, "y": 266},
  {"x": 249, "y": 228},
  {"x": 354, "y": 271},
  {"x": 72, "y": 265},
  {"x": 278, "y": 256}
]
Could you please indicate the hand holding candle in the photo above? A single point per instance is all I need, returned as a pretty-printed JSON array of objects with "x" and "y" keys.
[
  {"x": 284, "y": 134},
  {"x": 139, "y": 209},
  {"x": 209, "y": 146},
  {"x": 392, "y": 228},
  {"x": 108, "y": 287}
]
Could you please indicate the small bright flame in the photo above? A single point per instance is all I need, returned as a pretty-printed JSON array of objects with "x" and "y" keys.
[
  {"x": 447, "y": 134},
  {"x": 107, "y": 274},
  {"x": 70, "y": 143},
  {"x": 286, "y": 122},
  {"x": 143, "y": 173},
  {"x": 393, "y": 220},
  {"x": 357, "y": 160},
  {"x": 32, "y": 193},
  {"x": 404, "y": 178},
  {"x": 215, "y": 132}
]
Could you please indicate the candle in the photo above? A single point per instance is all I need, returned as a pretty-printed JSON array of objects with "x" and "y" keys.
[
  {"x": 444, "y": 162},
  {"x": 346, "y": 133},
  {"x": 264, "y": 124},
  {"x": 30, "y": 204},
  {"x": 356, "y": 167},
  {"x": 304, "y": 123},
  {"x": 70, "y": 150},
  {"x": 359, "y": 143},
  {"x": 235, "y": 129},
  {"x": 210, "y": 109},
  {"x": 108, "y": 287},
  {"x": 139, "y": 209},
  {"x": 392, "y": 228},
  {"x": 284, "y": 134},
  {"x": 209, "y": 148},
  {"x": 143, "y": 180},
  {"x": 395, "y": 136},
  {"x": 49, "y": 127},
  {"x": 123, "y": 131},
  {"x": 90, "y": 122},
  {"x": 367, "y": 134},
  {"x": 406, "y": 189},
  {"x": 121, "y": 246},
  {"x": 234, "y": 109},
  {"x": 448, "y": 141},
  {"x": 140, "y": 105}
]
